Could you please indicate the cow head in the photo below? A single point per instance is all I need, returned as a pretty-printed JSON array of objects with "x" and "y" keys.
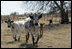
[
  {"x": 35, "y": 19},
  {"x": 9, "y": 22}
]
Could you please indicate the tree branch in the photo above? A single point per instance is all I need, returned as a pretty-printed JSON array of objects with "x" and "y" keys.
[{"x": 57, "y": 5}]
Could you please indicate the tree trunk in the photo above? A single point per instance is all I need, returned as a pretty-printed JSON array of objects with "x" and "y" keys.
[
  {"x": 64, "y": 14},
  {"x": 64, "y": 17}
]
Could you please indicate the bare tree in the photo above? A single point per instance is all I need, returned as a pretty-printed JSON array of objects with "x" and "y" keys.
[
  {"x": 63, "y": 11},
  {"x": 54, "y": 6}
]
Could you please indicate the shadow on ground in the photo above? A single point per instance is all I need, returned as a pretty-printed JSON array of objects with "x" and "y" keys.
[
  {"x": 24, "y": 45},
  {"x": 11, "y": 42}
]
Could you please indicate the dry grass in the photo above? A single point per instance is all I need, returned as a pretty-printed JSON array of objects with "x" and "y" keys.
[{"x": 55, "y": 36}]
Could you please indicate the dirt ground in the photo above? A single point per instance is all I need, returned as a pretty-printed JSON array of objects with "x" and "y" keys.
[{"x": 54, "y": 36}]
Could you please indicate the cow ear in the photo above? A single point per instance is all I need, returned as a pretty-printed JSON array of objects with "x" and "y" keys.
[
  {"x": 40, "y": 16},
  {"x": 12, "y": 21},
  {"x": 5, "y": 21},
  {"x": 31, "y": 17}
]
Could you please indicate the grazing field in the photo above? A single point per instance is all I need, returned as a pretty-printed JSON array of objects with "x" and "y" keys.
[{"x": 54, "y": 36}]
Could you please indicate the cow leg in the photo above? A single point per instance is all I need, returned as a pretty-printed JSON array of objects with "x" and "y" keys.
[
  {"x": 27, "y": 37},
  {"x": 37, "y": 39},
  {"x": 19, "y": 36},
  {"x": 40, "y": 33},
  {"x": 33, "y": 39},
  {"x": 14, "y": 37},
  {"x": 37, "y": 35}
]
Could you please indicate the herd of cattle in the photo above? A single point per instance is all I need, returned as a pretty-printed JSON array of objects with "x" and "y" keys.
[{"x": 30, "y": 25}]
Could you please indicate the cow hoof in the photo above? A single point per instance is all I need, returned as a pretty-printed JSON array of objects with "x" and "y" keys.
[
  {"x": 15, "y": 40},
  {"x": 40, "y": 36},
  {"x": 36, "y": 45}
]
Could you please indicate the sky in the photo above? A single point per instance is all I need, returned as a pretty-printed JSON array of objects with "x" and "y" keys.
[{"x": 7, "y": 7}]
